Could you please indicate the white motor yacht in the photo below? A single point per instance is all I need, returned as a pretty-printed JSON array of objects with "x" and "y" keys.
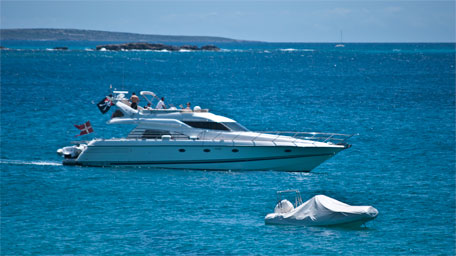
[{"x": 198, "y": 139}]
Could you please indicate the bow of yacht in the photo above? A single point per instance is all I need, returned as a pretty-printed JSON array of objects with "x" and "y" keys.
[{"x": 198, "y": 139}]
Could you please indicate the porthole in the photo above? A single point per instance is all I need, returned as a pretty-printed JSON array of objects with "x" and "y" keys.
[
  {"x": 207, "y": 150},
  {"x": 235, "y": 150},
  {"x": 181, "y": 150},
  {"x": 288, "y": 150}
]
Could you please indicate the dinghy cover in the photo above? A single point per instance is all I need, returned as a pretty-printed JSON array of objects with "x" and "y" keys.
[{"x": 321, "y": 210}]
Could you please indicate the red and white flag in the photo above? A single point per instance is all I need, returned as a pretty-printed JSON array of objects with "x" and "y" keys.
[{"x": 85, "y": 128}]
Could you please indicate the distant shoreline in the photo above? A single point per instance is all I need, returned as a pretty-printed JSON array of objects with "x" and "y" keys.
[{"x": 49, "y": 34}]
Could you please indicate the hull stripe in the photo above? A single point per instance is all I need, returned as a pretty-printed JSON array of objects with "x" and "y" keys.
[{"x": 215, "y": 161}]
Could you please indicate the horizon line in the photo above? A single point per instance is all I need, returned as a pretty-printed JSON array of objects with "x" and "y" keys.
[{"x": 224, "y": 37}]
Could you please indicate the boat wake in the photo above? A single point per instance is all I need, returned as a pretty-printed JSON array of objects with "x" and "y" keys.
[
  {"x": 24, "y": 162},
  {"x": 296, "y": 50}
]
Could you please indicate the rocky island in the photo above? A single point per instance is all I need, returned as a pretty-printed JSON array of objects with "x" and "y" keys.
[{"x": 155, "y": 47}]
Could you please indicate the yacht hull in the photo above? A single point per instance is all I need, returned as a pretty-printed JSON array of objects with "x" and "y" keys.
[{"x": 206, "y": 156}]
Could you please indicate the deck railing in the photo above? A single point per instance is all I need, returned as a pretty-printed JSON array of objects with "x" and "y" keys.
[
  {"x": 207, "y": 135},
  {"x": 335, "y": 138}
]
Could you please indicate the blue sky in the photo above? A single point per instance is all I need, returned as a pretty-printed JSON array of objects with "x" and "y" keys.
[{"x": 275, "y": 21}]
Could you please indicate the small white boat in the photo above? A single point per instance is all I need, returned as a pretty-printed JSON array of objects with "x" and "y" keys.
[
  {"x": 198, "y": 139},
  {"x": 320, "y": 210},
  {"x": 340, "y": 44}
]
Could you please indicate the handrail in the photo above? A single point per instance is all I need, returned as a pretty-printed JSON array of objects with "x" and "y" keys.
[
  {"x": 298, "y": 198},
  {"x": 331, "y": 138},
  {"x": 337, "y": 138}
]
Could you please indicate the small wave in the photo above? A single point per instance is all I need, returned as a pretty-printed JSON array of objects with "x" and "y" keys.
[
  {"x": 296, "y": 50},
  {"x": 288, "y": 50},
  {"x": 103, "y": 49},
  {"x": 396, "y": 50},
  {"x": 23, "y": 162},
  {"x": 185, "y": 50},
  {"x": 266, "y": 51},
  {"x": 233, "y": 50}
]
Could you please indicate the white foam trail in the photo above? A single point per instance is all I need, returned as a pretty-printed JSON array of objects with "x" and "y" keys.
[
  {"x": 289, "y": 50},
  {"x": 23, "y": 162},
  {"x": 296, "y": 50}
]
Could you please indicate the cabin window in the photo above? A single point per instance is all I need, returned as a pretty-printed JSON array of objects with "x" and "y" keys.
[
  {"x": 288, "y": 150},
  {"x": 229, "y": 126},
  {"x": 154, "y": 134},
  {"x": 207, "y": 150},
  {"x": 207, "y": 125},
  {"x": 140, "y": 133},
  {"x": 181, "y": 150},
  {"x": 235, "y": 127},
  {"x": 235, "y": 150}
]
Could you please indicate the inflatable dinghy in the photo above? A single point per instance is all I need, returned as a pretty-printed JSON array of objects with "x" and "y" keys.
[{"x": 320, "y": 210}]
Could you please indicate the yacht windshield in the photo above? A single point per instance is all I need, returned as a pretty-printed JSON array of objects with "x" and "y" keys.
[
  {"x": 229, "y": 126},
  {"x": 235, "y": 127},
  {"x": 207, "y": 125}
]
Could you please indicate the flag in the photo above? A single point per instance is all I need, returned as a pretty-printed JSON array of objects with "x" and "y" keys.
[
  {"x": 85, "y": 128},
  {"x": 104, "y": 105}
]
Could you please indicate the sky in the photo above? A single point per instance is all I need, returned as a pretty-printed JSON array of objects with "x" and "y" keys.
[{"x": 262, "y": 20}]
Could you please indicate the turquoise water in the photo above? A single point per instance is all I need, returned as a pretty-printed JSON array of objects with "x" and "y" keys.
[{"x": 399, "y": 98}]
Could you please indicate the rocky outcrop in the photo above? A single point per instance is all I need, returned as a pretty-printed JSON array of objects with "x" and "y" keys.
[
  {"x": 189, "y": 47},
  {"x": 61, "y": 48},
  {"x": 154, "y": 47},
  {"x": 210, "y": 48}
]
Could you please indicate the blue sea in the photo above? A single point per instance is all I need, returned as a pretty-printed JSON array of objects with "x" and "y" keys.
[{"x": 398, "y": 98}]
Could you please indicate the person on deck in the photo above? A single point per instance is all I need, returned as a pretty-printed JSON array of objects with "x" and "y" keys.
[
  {"x": 134, "y": 101},
  {"x": 147, "y": 107},
  {"x": 161, "y": 104}
]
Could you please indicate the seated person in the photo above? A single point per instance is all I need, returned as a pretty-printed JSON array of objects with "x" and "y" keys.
[
  {"x": 161, "y": 104},
  {"x": 147, "y": 107},
  {"x": 187, "y": 108}
]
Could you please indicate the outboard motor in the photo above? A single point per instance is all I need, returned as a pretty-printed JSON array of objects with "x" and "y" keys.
[{"x": 283, "y": 206}]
